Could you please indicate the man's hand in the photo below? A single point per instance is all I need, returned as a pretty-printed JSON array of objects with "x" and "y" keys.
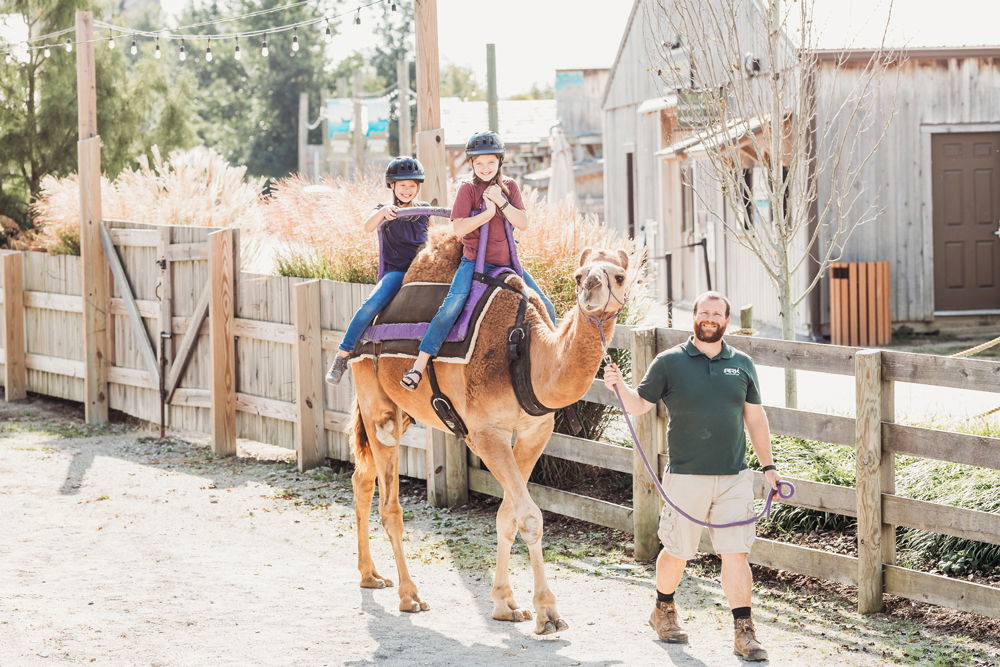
[
  {"x": 772, "y": 478},
  {"x": 612, "y": 376}
]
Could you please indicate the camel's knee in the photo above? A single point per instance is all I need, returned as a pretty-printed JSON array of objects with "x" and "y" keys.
[
  {"x": 385, "y": 432},
  {"x": 362, "y": 482},
  {"x": 530, "y": 526},
  {"x": 506, "y": 523},
  {"x": 391, "y": 516}
]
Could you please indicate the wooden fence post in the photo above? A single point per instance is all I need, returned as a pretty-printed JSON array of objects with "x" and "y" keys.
[
  {"x": 221, "y": 313},
  {"x": 15, "y": 375},
  {"x": 447, "y": 469},
  {"x": 868, "y": 443},
  {"x": 432, "y": 154},
  {"x": 310, "y": 431},
  {"x": 887, "y": 469},
  {"x": 645, "y": 499}
]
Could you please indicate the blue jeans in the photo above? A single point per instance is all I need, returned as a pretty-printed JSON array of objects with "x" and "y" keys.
[
  {"x": 373, "y": 305},
  {"x": 451, "y": 307}
]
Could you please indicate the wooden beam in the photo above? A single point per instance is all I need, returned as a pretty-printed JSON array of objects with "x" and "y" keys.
[
  {"x": 811, "y": 425},
  {"x": 15, "y": 376},
  {"x": 933, "y": 588},
  {"x": 222, "y": 276},
  {"x": 66, "y": 303},
  {"x": 428, "y": 67},
  {"x": 937, "y": 518},
  {"x": 431, "y": 152},
  {"x": 137, "y": 238},
  {"x": 86, "y": 79},
  {"x": 930, "y": 443},
  {"x": 93, "y": 266},
  {"x": 590, "y": 452},
  {"x": 310, "y": 434},
  {"x": 868, "y": 426},
  {"x": 186, "y": 252},
  {"x": 189, "y": 342},
  {"x": 805, "y": 560},
  {"x": 981, "y": 374},
  {"x": 645, "y": 498},
  {"x": 887, "y": 464},
  {"x": 138, "y": 327},
  {"x": 446, "y": 469}
]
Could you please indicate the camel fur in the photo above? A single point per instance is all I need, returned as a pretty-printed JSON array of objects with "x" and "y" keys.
[{"x": 564, "y": 362}]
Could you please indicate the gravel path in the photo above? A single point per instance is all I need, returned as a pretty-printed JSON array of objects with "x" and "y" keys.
[{"x": 116, "y": 549}]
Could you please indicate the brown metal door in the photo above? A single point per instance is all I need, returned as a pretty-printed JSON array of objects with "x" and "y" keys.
[{"x": 966, "y": 192}]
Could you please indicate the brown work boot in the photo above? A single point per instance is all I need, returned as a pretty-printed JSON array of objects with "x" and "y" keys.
[
  {"x": 664, "y": 621},
  {"x": 745, "y": 643}
]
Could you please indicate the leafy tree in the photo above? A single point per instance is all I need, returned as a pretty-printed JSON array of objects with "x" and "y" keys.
[
  {"x": 536, "y": 93},
  {"x": 459, "y": 81}
]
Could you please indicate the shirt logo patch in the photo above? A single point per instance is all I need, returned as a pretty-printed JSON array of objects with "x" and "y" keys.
[{"x": 731, "y": 371}]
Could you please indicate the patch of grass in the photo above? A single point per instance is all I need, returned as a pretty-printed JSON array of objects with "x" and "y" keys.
[{"x": 57, "y": 429}]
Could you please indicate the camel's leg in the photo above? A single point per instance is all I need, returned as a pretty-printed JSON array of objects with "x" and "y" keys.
[
  {"x": 518, "y": 513},
  {"x": 363, "y": 482},
  {"x": 387, "y": 463}
]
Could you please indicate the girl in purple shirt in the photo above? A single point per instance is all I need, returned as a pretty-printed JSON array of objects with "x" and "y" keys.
[{"x": 402, "y": 238}]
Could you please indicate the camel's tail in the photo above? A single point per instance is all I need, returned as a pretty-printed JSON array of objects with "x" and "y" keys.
[{"x": 360, "y": 444}]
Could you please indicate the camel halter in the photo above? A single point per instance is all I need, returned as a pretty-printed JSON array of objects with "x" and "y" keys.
[{"x": 598, "y": 321}]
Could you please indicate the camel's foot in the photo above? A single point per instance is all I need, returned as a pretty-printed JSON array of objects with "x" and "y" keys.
[
  {"x": 409, "y": 601},
  {"x": 374, "y": 580},
  {"x": 507, "y": 610},
  {"x": 549, "y": 620}
]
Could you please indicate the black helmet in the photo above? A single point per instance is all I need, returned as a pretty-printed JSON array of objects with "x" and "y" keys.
[
  {"x": 484, "y": 143},
  {"x": 404, "y": 168}
]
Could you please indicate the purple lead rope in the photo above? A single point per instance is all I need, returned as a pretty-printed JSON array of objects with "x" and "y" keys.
[{"x": 652, "y": 473}]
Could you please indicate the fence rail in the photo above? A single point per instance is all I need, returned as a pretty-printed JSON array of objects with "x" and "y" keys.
[{"x": 283, "y": 332}]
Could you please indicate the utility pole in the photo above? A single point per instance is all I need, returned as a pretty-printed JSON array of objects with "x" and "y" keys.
[
  {"x": 327, "y": 166},
  {"x": 491, "y": 87},
  {"x": 359, "y": 132},
  {"x": 403, "y": 100},
  {"x": 430, "y": 136},
  {"x": 303, "y": 133},
  {"x": 96, "y": 348}
]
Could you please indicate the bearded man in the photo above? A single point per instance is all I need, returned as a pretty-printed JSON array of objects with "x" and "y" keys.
[{"x": 711, "y": 391}]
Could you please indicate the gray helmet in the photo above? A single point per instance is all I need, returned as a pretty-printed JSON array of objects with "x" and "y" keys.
[
  {"x": 484, "y": 143},
  {"x": 404, "y": 168}
]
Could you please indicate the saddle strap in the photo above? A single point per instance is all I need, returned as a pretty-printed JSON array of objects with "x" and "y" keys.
[
  {"x": 443, "y": 407},
  {"x": 519, "y": 361}
]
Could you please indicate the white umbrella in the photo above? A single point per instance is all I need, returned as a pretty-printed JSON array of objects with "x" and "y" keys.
[{"x": 561, "y": 180}]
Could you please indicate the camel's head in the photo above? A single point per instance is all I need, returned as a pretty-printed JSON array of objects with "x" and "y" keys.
[{"x": 602, "y": 281}]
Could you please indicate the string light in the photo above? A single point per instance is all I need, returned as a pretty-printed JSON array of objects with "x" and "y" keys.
[
  {"x": 237, "y": 54},
  {"x": 208, "y": 52},
  {"x": 357, "y": 18},
  {"x": 394, "y": 6},
  {"x": 47, "y": 52},
  {"x": 69, "y": 45},
  {"x": 111, "y": 41},
  {"x": 156, "y": 54},
  {"x": 183, "y": 54},
  {"x": 263, "y": 47},
  {"x": 134, "y": 49},
  {"x": 295, "y": 42},
  {"x": 329, "y": 33}
]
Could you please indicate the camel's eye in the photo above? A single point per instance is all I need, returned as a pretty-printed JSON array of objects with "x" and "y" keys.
[
  {"x": 620, "y": 279},
  {"x": 579, "y": 278}
]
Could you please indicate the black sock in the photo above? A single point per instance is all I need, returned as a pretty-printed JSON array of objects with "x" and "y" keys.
[
  {"x": 664, "y": 597},
  {"x": 741, "y": 612}
]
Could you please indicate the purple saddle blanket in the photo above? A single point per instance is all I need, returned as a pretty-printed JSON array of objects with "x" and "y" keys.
[{"x": 399, "y": 327}]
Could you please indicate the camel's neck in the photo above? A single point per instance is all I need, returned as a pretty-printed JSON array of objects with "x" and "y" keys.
[{"x": 564, "y": 363}]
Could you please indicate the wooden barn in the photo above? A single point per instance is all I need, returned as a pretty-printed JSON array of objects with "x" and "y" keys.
[{"x": 933, "y": 177}]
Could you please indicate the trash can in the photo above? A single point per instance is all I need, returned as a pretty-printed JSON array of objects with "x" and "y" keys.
[{"x": 859, "y": 303}]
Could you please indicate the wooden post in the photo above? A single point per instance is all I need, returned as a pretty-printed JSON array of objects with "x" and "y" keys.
[
  {"x": 431, "y": 151},
  {"x": 868, "y": 444},
  {"x": 645, "y": 499},
  {"x": 326, "y": 167},
  {"x": 746, "y": 317},
  {"x": 310, "y": 433},
  {"x": 303, "y": 134},
  {"x": 94, "y": 266},
  {"x": 222, "y": 312},
  {"x": 428, "y": 65},
  {"x": 447, "y": 469},
  {"x": 887, "y": 471},
  {"x": 491, "y": 88},
  {"x": 15, "y": 375},
  {"x": 403, "y": 87}
]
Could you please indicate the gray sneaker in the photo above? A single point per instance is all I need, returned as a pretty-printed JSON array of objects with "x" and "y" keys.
[{"x": 337, "y": 369}]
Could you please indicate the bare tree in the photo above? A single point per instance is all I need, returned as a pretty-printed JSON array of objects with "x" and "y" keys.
[{"x": 745, "y": 75}]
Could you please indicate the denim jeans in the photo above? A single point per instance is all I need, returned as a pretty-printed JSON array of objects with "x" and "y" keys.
[
  {"x": 373, "y": 305},
  {"x": 451, "y": 307}
]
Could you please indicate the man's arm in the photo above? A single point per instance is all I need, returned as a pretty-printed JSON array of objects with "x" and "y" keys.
[
  {"x": 760, "y": 437},
  {"x": 634, "y": 403}
]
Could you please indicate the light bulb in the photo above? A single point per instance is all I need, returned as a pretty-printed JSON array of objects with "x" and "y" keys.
[
  {"x": 357, "y": 18},
  {"x": 263, "y": 48},
  {"x": 394, "y": 6},
  {"x": 156, "y": 54},
  {"x": 47, "y": 52},
  {"x": 134, "y": 49},
  {"x": 295, "y": 43},
  {"x": 237, "y": 54},
  {"x": 111, "y": 42},
  {"x": 69, "y": 45},
  {"x": 183, "y": 54},
  {"x": 329, "y": 33},
  {"x": 208, "y": 54}
]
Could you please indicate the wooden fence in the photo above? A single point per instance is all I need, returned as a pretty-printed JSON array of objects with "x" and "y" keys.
[{"x": 281, "y": 330}]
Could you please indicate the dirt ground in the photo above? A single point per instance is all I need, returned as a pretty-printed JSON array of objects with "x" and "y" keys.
[{"x": 118, "y": 549}]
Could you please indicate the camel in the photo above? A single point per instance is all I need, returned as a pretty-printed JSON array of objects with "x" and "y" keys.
[{"x": 564, "y": 362}]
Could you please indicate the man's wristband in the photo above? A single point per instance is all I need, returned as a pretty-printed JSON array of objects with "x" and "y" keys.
[{"x": 770, "y": 467}]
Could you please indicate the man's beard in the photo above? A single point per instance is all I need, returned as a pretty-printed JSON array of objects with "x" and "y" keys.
[{"x": 713, "y": 337}]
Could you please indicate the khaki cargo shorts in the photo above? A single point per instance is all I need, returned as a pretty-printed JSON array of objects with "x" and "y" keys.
[{"x": 711, "y": 498}]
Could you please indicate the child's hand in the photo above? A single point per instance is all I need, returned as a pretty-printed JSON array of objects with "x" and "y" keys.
[
  {"x": 491, "y": 208},
  {"x": 389, "y": 213},
  {"x": 495, "y": 194}
]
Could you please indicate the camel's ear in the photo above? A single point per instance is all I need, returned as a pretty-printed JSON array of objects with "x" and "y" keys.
[
  {"x": 586, "y": 253},
  {"x": 623, "y": 256}
]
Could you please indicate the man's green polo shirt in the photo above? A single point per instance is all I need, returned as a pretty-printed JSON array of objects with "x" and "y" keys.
[{"x": 705, "y": 398}]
